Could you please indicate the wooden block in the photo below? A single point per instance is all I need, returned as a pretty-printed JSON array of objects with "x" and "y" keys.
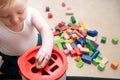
[
  {"x": 114, "y": 64},
  {"x": 73, "y": 53},
  {"x": 69, "y": 12},
  {"x": 77, "y": 58},
  {"x": 82, "y": 25},
  {"x": 69, "y": 47},
  {"x": 80, "y": 64},
  {"x": 86, "y": 58},
  {"x": 101, "y": 67},
  {"x": 104, "y": 60},
  {"x": 85, "y": 50},
  {"x": 66, "y": 36},
  {"x": 71, "y": 41},
  {"x": 38, "y": 65},
  {"x": 50, "y": 15},
  {"x": 66, "y": 52},
  {"x": 79, "y": 53},
  {"x": 91, "y": 38}
]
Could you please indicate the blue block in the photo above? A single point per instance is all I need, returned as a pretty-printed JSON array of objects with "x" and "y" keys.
[
  {"x": 92, "y": 33},
  {"x": 95, "y": 54},
  {"x": 86, "y": 59},
  {"x": 73, "y": 45},
  {"x": 80, "y": 41}
]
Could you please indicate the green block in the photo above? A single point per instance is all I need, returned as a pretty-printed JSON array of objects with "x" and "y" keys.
[
  {"x": 80, "y": 64},
  {"x": 90, "y": 53},
  {"x": 101, "y": 67},
  {"x": 59, "y": 41},
  {"x": 96, "y": 61},
  {"x": 103, "y": 39},
  {"x": 60, "y": 30},
  {"x": 72, "y": 24},
  {"x": 62, "y": 35},
  {"x": 59, "y": 45},
  {"x": 89, "y": 45},
  {"x": 100, "y": 57},
  {"x": 66, "y": 41},
  {"x": 115, "y": 40},
  {"x": 73, "y": 20},
  {"x": 74, "y": 31}
]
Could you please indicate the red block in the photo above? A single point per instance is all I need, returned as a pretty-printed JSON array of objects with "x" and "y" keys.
[
  {"x": 56, "y": 33},
  {"x": 64, "y": 28},
  {"x": 72, "y": 53},
  {"x": 74, "y": 27},
  {"x": 50, "y": 15},
  {"x": 79, "y": 53}
]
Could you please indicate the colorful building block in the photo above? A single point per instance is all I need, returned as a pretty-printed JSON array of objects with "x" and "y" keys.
[
  {"x": 69, "y": 12},
  {"x": 73, "y": 53},
  {"x": 115, "y": 40},
  {"x": 77, "y": 58},
  {"x": 73, "y": 20},
  {"x": 92, "y": 33},
  {"x": 79, "y": 53},
  {"x": 95, "y": 44},
  {"x": 103, "y": 39},
  {"x": 104, "y": 60},
  {"x": 66, "y": 52},
  {"x": 89, "y": 45},
  {"x": 47, "y": 9},
  {"x": 90, "y": 53},
  {"x": 95, "y": 54},
  {"x": 91, "y": 38},
  {"x": 82, "y": 25},
  {"x": 100, "y": 57},
  {"x": 101, "y": 66},
  {"x": 59, "y": 45},
  {"x": 63, "y": 4},
  {"x": 80, "y": 64},
  {"x": 114, "y": 64},
  {"x": 50, "y": 15},
  {"x": 86, "y": 58},
  {"x": 66, "y": 36},
  {"x": 96, "y": 61},
  {"x": 69, "y": 47}
]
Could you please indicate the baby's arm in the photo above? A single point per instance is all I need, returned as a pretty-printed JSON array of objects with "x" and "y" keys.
[{"x": 43, "y": 28}]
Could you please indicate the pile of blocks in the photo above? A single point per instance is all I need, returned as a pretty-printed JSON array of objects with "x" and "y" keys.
[{"x": 77, "y": 41}]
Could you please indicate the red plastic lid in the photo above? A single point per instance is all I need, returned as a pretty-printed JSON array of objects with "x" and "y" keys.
[{"x": 54, "y": 70}]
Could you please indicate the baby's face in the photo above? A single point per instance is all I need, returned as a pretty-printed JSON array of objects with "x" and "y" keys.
[{"x": 15, "y": 14}]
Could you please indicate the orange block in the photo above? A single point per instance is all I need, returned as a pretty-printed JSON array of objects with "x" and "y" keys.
[
  {"x": 71, "y": 40},
  {"x": 82, "y": 25},
  {"x": 77, "y": 58},
  {"x": 114, "y": 65}
]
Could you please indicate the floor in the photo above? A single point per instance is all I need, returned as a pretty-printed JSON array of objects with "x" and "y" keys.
[{"x": 100, "y": 15}]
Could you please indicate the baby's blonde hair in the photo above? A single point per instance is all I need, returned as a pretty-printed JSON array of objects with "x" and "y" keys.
[{"x": 4, "y": 3}]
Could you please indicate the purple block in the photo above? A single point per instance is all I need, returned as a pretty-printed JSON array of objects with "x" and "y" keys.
[
  {"x": 95, "y": 44},
  {"x": 47, "y": 9}
]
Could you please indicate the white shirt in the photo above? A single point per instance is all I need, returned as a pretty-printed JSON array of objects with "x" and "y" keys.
[{"x": 16, "y": 43}]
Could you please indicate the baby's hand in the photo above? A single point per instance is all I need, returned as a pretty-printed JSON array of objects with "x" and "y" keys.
[{"x": 43, "y": 56}]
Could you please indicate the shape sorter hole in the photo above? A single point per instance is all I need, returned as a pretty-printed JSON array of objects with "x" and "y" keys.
[
  {"x": 32, "y": 60},
  {"x": 54, "y": 68},
  {"x": 50, "y": 62},
  {"x": 54, "y": 56},
  {"x": 45, "y": 72},
  {"x": 35, "y": 70}
]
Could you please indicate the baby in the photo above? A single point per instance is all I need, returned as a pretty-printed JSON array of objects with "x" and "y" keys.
[{"x": 21, "y": 28}]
